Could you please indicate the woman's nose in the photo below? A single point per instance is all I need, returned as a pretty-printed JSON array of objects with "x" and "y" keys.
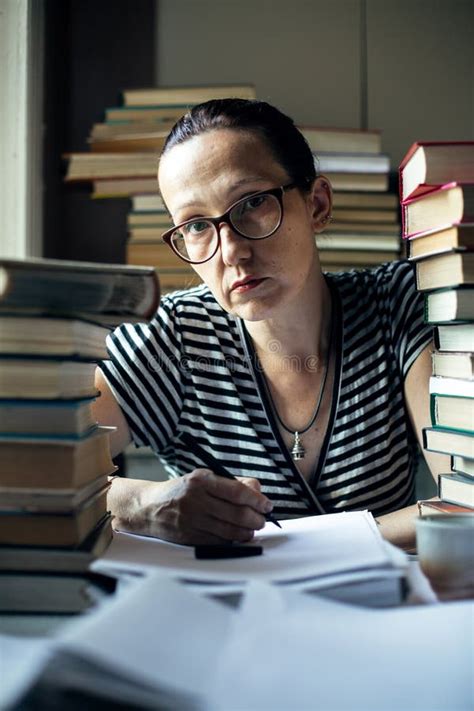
[{"x": 234, "y": 248}]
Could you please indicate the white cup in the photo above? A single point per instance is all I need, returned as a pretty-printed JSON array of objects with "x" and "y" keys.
[{"x": 445, "y": 546}]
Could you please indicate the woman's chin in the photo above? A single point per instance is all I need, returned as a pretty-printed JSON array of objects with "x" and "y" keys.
[
  {"x": 253, "y": 309},
  {"x": 256, "y": 305}
]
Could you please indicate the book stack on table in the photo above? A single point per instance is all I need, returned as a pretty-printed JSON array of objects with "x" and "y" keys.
[
  {"x": 365, "y": 229},
  {"x": 146, "y": 222},
  {"x": 54, "y": 458},
  {"x": 437, "y": 193}
]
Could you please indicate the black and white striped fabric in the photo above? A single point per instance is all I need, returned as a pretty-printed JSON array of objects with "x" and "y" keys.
[{"x": 193, "y": 369}]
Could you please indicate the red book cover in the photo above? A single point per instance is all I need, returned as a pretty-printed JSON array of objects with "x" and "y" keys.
[
  {"x": 440, "y": 208},
  {"x": 431, "y": 507},
  {"x": 449, "y": 161}
]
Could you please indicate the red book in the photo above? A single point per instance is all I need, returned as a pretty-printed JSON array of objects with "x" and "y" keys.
[
  {"x": 450, "y": 204},
  {"x": 431, "y": 507},
  {"x": 430, "y": 164}
]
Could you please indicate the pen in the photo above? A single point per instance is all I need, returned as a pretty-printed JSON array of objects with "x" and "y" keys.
[{"x": 213, "y": 464}]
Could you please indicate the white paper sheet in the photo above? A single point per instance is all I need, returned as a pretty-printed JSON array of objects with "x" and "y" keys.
[
  {"x": 304, "y": 548},
  {"x": 156, "y": 632},
  {"x": 281, "y": 650},
  {"x": 306, "y": 653},
  {"x": 21, "y": 662}
]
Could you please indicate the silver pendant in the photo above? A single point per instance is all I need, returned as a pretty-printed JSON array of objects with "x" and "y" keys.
[{"x": 298, "y": 450}]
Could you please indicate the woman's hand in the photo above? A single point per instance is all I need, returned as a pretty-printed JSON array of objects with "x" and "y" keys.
[{"x": 197, "y": 508}]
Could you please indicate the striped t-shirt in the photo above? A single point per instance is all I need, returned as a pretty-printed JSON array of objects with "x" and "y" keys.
[{"x": 193, "y": 369}]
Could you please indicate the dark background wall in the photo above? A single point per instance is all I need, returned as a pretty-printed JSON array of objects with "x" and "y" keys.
[
  {"x": 402, "y": 66},
  {"x": 93, "y": 50}
]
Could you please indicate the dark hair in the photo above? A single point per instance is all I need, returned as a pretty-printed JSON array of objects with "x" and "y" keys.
[{"x": 279, "y": 132}]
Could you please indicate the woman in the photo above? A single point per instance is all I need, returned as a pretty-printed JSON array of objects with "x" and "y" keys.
[{"x": 308, "y": 385}]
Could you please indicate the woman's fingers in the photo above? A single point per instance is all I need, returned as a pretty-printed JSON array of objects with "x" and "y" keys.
[
  {"x": 199, "y": 507},
  {"x": 250, "y": 481},
  {"x": 241, "y": 492},
  {"x": 231, "y": 510}
]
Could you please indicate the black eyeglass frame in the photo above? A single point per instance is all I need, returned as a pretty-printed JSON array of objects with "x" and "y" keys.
[{"x": 226, "y": 219}]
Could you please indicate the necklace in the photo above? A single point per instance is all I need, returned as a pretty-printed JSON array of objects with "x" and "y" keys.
[{"x": 298, "y": 451}]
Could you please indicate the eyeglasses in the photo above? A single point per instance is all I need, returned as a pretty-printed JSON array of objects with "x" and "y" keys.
[{"x": 255, "y": 216}]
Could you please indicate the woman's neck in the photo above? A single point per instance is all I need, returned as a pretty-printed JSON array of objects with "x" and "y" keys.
[{"x": 300, "y": 329}]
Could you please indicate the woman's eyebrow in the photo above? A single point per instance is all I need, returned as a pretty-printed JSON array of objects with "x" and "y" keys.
[
  {"x": 235, "y": 186},
  {"x": 250, "y": 179}
]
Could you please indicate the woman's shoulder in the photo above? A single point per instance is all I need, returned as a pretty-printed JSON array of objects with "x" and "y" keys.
[
  {"x": 382, "y": 281},
  {"x": 195, "y": 304},
  {"x": 180, "y": 298}
]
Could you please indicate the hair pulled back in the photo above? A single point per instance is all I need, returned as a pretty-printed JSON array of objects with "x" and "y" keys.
[{"x": 279, "y": 132}]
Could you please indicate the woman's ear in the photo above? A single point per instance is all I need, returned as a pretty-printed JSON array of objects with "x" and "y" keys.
[{"x": 320, "y": 198}]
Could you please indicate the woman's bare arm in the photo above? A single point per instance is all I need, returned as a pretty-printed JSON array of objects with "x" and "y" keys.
[
  {"x": 399, "y": 527},
  {"x": 107, "y": 412},
  {"x": 199, "y": 507}
]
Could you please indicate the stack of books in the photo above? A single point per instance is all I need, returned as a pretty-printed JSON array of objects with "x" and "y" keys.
[
  {"x": 437, "y": 194},
  {"x": 54, "y": 458},
  {"x": 365, "y": 228},
  {"x": 146, "y": 222},
  {"x": 123, "y": 162}
]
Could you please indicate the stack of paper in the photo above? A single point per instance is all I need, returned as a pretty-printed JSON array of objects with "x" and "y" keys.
[
  {"x": 343, "y": 554},
  {"x": 153, "y": 646},
  {"x": 160, "y": 645},
  {"x": 304, "y": 652}
]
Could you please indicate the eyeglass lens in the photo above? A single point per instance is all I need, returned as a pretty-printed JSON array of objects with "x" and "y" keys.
[{"x": 255, "y": 217}]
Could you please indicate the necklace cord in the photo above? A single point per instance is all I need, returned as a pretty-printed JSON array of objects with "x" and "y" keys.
[{"x": 295, "y": 433}]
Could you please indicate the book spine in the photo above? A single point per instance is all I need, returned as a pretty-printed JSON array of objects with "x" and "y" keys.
[{"x": 433, "y": 409}]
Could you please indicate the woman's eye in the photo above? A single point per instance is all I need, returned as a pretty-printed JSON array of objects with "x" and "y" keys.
[
  {"x": 253, "y": 202},
  {"x": 195, "y": 228}
]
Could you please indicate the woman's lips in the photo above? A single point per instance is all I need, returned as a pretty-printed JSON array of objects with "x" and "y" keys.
[{"x": 246, "y": 285}]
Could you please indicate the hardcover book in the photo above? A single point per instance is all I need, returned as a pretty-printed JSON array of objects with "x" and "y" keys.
[
  {"x": 450, "y": 305},
  {"x": 47, "y": 418},
  {"x": 59, "y": 287},
  {"x": 151, "y": 142},
  {"x": 54, "y": 463},
  {"x": 352, "y": 162},
  {"x": 429, "y": 164},
  {"x": 149, "y": 219},
  {"x": 457, "y": 337},
  {"x": 453, "y": 365},
  {"x": 146, "y": 203},
  {"x": 158, "y": 115},
  {"x": 52, "y": 528},
  {"x": 43, "y": 500},
  {"x": 74, "y": 559},
  {"x": 444, "y": 271},
  {"x": 45, "y": 378},
  {"x": 364, "y": 215},
  {"x": 456, "y": 489},
  {"x": 343, "y": 140},
  {"x": 450, "y": 204},
  {"x": 85, "y": 167},
  {"x": 366, "y": 201},
  {"x": 452, "y": 412},
  {"x": 447, "y": 441},
  {"x": 432, "y": 507},
  {"x": 123, "y": 187},
  {"x": 187, "y": 95},
  {"x": 463, "y": 465},
  {"x": 68, "y": 338},
  {"x": 451, "y": 239},
  {"x": 358, "y": 181},
  {"x": 458, "y": 387}
]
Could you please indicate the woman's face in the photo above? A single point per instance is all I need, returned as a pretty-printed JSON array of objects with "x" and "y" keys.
[{"x": 203, "y": 177}]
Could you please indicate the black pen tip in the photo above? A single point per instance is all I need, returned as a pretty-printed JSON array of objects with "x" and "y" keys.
[{"x": 271, "y": 519}]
